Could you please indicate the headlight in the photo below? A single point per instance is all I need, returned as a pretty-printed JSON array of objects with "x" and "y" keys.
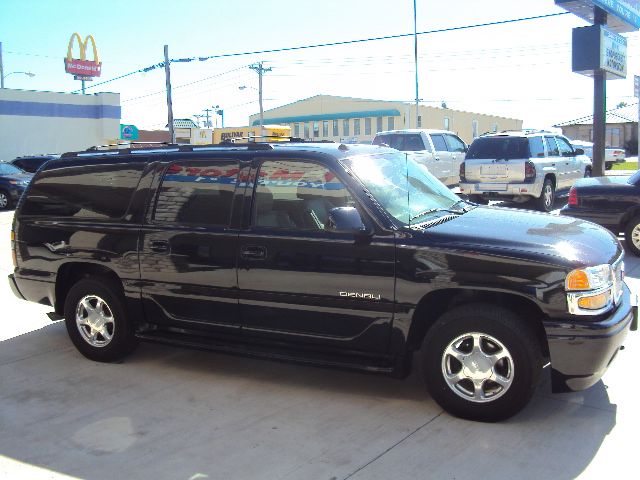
[
  {"x": 590, "y": 278},
  {"x": 593, "y": 290}
]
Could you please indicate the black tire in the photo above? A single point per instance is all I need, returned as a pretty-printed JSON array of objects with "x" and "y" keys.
[
  {"x": 547, "y": 196},
  {"x": 587, "y": 172},
  {"x": 116, "y": 337},
  {"x": 633, "y": 241},
  {"x": 521, "y": 363},
  {"x": 608, "y": 166},
  {"x": 5, "y": 200},
  {"x": 479, "y": 199}
]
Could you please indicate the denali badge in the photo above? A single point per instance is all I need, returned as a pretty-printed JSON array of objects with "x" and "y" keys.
[{"x": 369, "y": 296}]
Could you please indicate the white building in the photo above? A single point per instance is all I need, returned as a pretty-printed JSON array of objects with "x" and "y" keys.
[{"x": 33, "y": 123}]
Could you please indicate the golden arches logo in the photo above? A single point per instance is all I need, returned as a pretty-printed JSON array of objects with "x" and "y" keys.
[{"x": 81, "y": 66}]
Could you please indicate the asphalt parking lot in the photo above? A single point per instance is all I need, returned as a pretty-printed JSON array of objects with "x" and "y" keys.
[{"x": 171, "y": 413}]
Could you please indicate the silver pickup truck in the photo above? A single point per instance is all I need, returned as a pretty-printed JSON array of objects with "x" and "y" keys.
[
  {"x": 521, "y": 166},
  {"x": 440, "y": 151}
]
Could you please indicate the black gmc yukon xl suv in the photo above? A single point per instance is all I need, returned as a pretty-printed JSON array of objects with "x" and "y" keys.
[{"x": 351, "y": 256}]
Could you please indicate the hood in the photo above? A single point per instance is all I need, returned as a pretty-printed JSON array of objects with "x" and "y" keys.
[
  {"x": 528, "y": 235},
  {"x": 18, "y": 176}
]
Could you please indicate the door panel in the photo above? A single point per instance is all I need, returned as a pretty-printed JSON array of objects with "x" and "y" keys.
[
  {"x": 443, "y": 157},
  {"x": 301, "y": 283},
  {"x": 188, "y": 252}
]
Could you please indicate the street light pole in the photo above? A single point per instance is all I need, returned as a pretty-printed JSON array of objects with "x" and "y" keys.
[
  {"x": 28, "y": 74},
  {"x": 415, "y": 55}
]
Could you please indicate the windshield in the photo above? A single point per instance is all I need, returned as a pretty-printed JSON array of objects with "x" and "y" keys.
[
  {"x": 499, "y": 148},
  {"x": 404, "y": 188},
  {"x": 8, "y": 169}
]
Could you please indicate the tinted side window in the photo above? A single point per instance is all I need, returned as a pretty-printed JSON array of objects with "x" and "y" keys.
[
  {"x": 455, "y": 144},
  {"x": 89, "y": 191},
  {"x": 197, "y": 193},
  {"x": 536, "y": 147},
  {"x": 552, "y": 146},
  {"x": 297, "y": 195},
  {"x": 438, "y": 143},
  {"x": 565, "y": 148}
]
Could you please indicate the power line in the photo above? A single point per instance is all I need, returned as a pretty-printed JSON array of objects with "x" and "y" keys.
[{"x": 331, "y": 44}]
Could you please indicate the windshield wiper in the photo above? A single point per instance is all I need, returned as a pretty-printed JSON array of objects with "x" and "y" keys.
[
  {"x": 464, "y": 210},
  {"x": 433, "y": 210}
]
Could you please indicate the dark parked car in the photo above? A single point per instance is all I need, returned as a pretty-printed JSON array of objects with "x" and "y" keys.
[
  {"x": 613, "y": 202},
  {"x": 13, "y": 181},
  {"x": 334, "y": 255},
  {"x": 32, "y": 163}
]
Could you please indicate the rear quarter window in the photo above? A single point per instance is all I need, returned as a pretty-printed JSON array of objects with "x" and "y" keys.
[{"x": 83, "y": 191}]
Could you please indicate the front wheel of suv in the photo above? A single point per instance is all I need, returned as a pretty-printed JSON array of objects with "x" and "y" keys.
[
  {"x": 547, "y": 197},
  {"x": 481, "y": 362}
]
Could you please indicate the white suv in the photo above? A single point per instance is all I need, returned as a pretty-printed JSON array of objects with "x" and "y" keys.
[
  {"x": 440, "y": 151},
  {"x": 521, "y": 166}
]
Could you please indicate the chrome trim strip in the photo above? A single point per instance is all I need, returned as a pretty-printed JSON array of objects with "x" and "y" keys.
[{"x": 574, "y": 309}]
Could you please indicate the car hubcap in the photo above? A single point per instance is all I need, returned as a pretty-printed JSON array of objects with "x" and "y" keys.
[
  {"x": 3, "y": 201},
  {"x": 635, "y": 236},
  {"x": 548, "y": 196},
  {"x": 95, "y": 321},
  {"x": 477, "y": 367}
]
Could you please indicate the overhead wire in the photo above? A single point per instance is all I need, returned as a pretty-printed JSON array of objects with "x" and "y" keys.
[{"x": 327, "y": 44}]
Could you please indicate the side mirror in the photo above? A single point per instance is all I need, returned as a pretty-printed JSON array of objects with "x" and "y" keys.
[
  {"x": 579, "y": 151},
  {"x": 345, "y": 220}
]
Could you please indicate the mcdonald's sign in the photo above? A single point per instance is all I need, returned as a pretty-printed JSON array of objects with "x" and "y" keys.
[{"x": 81, "y": 66}]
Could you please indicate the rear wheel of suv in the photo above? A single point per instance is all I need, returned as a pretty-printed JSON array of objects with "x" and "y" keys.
[
  {"x": 5, "y": 200},
  {"x": 97, "y": 321},
  {"x": 547, "y": 197},
  {"x": 632, "y": 235},
  {"x": 481, "y": 362}
]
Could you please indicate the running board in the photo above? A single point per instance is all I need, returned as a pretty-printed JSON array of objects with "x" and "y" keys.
[{"x": 295, "y": 355}]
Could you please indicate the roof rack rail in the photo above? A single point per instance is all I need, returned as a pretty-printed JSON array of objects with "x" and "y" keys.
[{"x": 526, "y": 131}]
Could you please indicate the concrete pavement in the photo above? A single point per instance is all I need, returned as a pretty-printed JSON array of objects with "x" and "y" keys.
[{"x": 171, "y": 413}]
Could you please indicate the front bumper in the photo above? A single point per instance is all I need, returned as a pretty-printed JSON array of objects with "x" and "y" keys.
[
  {"x": 582, "y": 351},
  {"x": 497, "y": 189}
]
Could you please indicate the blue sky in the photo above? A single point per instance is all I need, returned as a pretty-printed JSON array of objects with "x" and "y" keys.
[{"x": 520, "y": 70}]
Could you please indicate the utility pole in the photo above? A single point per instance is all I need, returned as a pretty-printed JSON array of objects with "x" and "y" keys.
[
  {"x": 260, "y": 70},
  {"x": 206, "y": 115},
  {"x": 1, "y": 68},
  {"x": 167, "y": 71}
]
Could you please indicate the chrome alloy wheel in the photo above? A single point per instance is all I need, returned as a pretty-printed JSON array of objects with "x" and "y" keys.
[
  {"x": 477, "y": 367},
  {"x": 95, "y": 321},
  {"x": 635, "y": 236},
  {"x": 547, "y": 192},
  {"x": 4, "y": 200}
]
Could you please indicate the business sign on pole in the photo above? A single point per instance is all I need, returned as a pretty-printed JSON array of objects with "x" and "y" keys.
[
  {"x": 596, "y": 49},
  {"x": 623, "y": 15},
  {"x": 129, "y": 132},
  {"x": 82, "y": 67}
]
